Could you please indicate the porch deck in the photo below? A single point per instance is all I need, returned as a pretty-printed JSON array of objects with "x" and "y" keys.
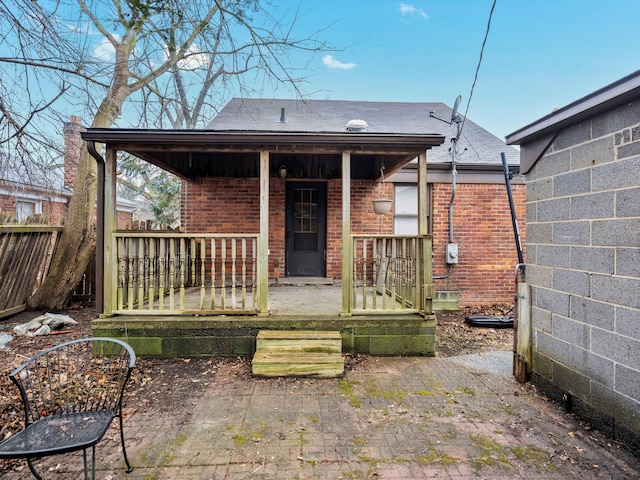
[{"x": 294, "y": 304}]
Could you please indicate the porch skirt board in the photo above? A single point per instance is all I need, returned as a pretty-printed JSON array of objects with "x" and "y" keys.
[{"x": 186, "y": 336}]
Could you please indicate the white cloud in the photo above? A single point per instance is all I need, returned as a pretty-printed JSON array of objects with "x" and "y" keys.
[
  {"x": 104, "y": 51},
  {"x": 331, "y": 62},
  {"x": 194, "y": 59},
  {"x": 406, "y": 9}
]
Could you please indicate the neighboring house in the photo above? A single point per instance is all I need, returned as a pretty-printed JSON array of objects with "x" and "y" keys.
[
  {"x": 582, "y": 166},
  {"x": 282, "y": 190},
  {"x": 26, "y": 190},
  {"x": 482, "y": 227}
]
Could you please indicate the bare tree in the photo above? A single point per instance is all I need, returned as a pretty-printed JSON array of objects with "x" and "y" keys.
[{"x": 152, "y": 55}]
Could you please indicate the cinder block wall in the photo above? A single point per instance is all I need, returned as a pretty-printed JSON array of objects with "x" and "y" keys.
[
  {"x": 583, "y": 263},
  {"x": 483, "y": 230}
]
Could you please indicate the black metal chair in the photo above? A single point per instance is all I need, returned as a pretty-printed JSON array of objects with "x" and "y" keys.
[{"x": 71, "y": 392}]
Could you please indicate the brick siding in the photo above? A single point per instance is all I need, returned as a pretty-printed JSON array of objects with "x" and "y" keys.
[
  {"x": 231, "y": 205},
  {"x": 56, "y": 210},
  {"x": 483, "y": 230},
  {"x": 482, "y": 227}
]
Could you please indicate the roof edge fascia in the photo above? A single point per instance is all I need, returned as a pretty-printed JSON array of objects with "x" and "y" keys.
[{"x": 119, "y": 136}]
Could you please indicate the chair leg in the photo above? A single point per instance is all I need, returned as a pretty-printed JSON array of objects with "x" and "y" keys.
[
  {"x": 84, "y": 457},
  {"x": 124, "y": 451},
  {"x": 33, "y": 469},
  {"x": 93, "y": 463}
]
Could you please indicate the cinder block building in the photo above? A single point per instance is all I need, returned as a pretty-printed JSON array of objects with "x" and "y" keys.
[{"x": 582, "y": 167}]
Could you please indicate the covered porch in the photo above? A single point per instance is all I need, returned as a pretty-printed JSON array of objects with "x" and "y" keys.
[{"x": 168, "y": 285}]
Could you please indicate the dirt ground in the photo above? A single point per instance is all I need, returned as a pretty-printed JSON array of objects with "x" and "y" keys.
[
  {"x": 153, "y": 379},
  {"x": 157, "y": 383}
]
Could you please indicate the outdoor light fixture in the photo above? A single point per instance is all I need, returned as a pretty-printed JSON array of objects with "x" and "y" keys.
[{"x": 283, "y": 171}]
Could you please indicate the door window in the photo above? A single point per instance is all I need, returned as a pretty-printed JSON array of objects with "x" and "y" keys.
[{"x": 305, "y": 219}]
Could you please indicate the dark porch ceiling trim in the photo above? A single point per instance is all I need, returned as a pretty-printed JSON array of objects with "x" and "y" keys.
[{"x": 196, "y": 153}]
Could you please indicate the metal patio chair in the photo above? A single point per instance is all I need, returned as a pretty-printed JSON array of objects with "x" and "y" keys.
[{"x": 70, "y": 392}]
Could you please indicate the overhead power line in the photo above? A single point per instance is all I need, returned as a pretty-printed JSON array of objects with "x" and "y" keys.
[{"x": 475, "y": 78}]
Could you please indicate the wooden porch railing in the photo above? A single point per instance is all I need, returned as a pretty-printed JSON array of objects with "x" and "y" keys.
[
  {"x": 387, "y": 274},
  {"x": 173, "y": 273}
]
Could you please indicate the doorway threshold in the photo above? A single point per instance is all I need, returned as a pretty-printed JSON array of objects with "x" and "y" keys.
[{"x": 297, "y": 281}]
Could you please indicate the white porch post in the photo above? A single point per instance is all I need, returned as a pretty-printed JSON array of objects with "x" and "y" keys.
[
  {"x": 423, "y": 201},
  {"x": 347, "y": 273},
  {"x": 263, "y": 239},
  {"x": 428, "y": 290},
  {"x": 110, "y": 273}
]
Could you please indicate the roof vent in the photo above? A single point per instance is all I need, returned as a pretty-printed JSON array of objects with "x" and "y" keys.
[
  {"x": 283, "y": 117},
  {"x": 356, "y": 126}
]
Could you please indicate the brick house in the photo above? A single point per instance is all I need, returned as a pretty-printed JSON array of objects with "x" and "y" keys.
[
  {"x": 27, "y": 191},
  {"x": 582, "y": 166},
  {"x": 481, "y": 228},
  {"x": 284, "y": 189}
]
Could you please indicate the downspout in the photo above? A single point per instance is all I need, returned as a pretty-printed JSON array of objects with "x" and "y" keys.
[
  {"x": 91, "y": 147},
  {"x": 521, "y": 360},
  {"x": 514, "y": 219}
]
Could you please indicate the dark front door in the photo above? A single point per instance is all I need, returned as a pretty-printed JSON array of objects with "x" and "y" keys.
[{"x": 306, "y": 235}]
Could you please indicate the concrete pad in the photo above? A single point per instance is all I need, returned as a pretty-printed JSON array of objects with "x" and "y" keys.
[
  {"x": 389, "y": 418},
  {"x": 495, "y": 363}
]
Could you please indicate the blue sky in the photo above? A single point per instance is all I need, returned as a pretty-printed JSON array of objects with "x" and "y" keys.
[{"x": 539, "y": 55}]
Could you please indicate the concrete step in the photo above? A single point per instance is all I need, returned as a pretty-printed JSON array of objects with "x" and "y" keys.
[{"x": 298, "y": 353}]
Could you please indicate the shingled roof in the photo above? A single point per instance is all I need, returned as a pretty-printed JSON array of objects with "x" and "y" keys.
[{"x": 331, "y": 116}]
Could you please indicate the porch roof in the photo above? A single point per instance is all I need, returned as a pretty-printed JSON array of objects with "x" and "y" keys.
[{"x": 233, "y": 153}]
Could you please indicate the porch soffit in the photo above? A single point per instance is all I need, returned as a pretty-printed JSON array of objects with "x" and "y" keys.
[{"x": 194, "y": 154}]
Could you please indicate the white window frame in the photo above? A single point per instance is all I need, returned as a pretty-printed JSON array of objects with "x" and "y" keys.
[
  {"x": 35, "y": 202},
  {"x": 404, "y": 213}
]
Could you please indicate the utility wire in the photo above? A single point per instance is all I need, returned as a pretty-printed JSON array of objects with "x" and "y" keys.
[{"x": 484, "y": 42}]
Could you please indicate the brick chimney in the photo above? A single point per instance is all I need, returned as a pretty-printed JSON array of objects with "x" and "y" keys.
[{"x": 72, "y": 147}]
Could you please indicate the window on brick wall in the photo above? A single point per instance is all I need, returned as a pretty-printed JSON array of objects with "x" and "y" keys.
[
  {"x": 26, "y": 207},
  {"x": 405, "y": 213}
]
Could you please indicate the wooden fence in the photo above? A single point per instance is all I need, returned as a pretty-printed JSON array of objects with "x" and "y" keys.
[{"x": 25, "y": 254}]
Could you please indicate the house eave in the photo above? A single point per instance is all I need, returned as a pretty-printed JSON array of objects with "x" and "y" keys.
[
  {"x": 197, "y": 153},
  {"x": 466, "y": 173},
  {"x": 244, "y": 141}
]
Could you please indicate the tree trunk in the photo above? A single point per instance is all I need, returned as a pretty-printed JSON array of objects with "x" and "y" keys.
[
  {"x": 76, "y": 245},
  {"x": 77, "y": 242}
]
